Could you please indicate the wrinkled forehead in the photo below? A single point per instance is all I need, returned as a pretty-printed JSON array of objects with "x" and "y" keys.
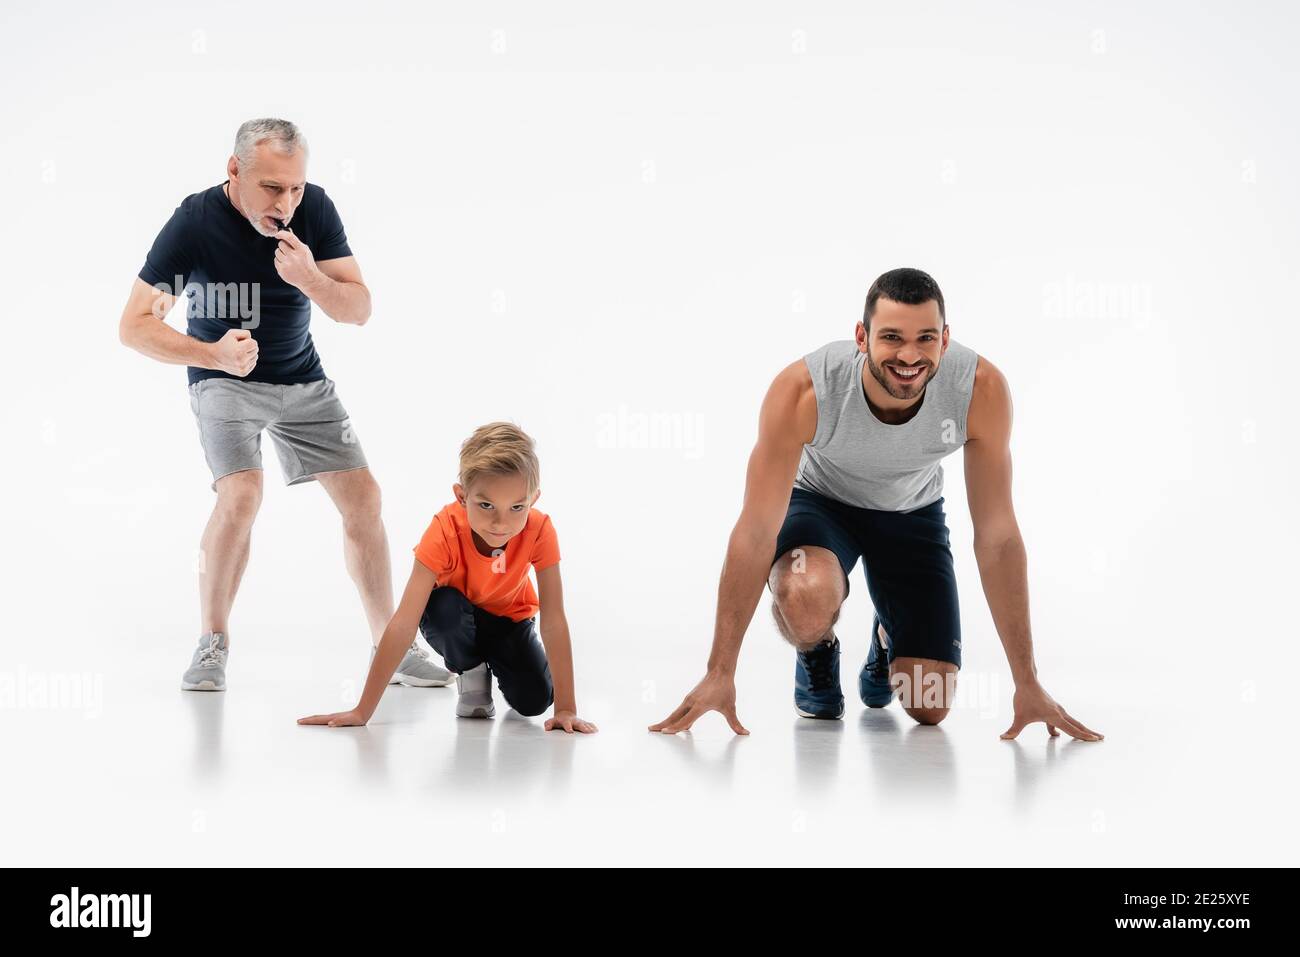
[{"x": 270, "y": 164}]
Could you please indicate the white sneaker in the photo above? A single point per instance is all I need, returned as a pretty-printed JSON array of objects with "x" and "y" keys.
[
  {"x": 417, "y": 670},
  {"x": 207, "y": 671},
  {"x": 474, "y": 688}
]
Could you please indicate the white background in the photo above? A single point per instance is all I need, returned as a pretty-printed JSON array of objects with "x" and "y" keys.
[{"x": 582, "y": 218}]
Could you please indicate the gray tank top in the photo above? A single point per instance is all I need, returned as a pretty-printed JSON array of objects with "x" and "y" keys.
[{"x": 857, "y": 459}]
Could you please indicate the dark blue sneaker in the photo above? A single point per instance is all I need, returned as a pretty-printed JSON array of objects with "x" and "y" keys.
[
  {"x": 817, "y": 692},
  {"x": 873, "y": 680}
]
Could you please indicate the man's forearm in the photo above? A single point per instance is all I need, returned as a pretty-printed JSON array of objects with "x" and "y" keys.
[
  {"x": 1004, "y": 574},
  {"x": 347, "y": 302},
  {"x": 744, "y": 573},
  {"x": 157, "y": 340}
]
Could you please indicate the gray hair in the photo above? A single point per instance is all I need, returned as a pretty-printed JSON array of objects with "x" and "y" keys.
[{"x": 286, "y": 137}]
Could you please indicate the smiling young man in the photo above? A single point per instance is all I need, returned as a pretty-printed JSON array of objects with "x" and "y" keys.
[
  {"x": 252, "y": 255},
  {"x": 847, "y": 466}
]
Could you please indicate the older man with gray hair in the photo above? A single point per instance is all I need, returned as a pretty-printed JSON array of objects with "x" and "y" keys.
[{"x": 252, "y": 254}]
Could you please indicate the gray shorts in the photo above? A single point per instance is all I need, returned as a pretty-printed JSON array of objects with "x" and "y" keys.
[{"x": 307, "y": 422}]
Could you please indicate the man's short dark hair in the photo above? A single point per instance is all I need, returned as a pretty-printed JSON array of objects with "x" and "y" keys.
[{"x": 908, "y": 286}]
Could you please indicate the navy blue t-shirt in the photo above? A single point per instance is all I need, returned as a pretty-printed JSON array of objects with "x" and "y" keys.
[{"x": 227, "y": 271}]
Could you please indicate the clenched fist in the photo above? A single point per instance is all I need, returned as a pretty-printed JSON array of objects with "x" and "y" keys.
[{"x": 235, "y": 353}]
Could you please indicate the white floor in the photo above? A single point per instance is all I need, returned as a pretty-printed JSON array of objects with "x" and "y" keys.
[
  {"x": 1162, "y": 623},
  {"x": 129, "y": 770},
  {"x": 1108, "y": 201}
]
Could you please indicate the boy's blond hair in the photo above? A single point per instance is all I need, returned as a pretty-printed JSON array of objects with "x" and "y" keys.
[{"x": 499, "y": 448}]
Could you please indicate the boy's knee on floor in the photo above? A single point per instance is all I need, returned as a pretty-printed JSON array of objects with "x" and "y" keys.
[{"x": 533, "y": 700}]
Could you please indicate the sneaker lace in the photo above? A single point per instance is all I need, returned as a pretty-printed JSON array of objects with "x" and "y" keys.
[
  {"x": 419, "y": 652},
  {"x": 214, "y": 654},
  {"x": 819, "y": 662},
  {"x": 880, "y": 667}
]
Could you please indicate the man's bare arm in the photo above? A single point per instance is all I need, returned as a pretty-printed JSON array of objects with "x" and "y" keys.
[
  {"x": 1000, "y": 550},
  {"x": 341, "y": 293},
  {"x": 143, "y": 327},
  {"x": 787, "y": 422}
]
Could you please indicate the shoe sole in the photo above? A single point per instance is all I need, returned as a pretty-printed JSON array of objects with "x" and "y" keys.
[
  {"x": 422, "y": 682},
  {"x": 822, "y": 717},
  {"x": 477, "y": 713},
  {"x": 880, "y": 700},
  {"x": 201, "y": 686}
]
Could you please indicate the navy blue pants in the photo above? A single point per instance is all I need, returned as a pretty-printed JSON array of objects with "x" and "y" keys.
[
  {"x": 466, "y": 636},
  {"x": 907, "y": 561}
]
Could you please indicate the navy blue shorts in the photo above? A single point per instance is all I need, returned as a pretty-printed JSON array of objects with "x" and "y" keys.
[
  {"x": 906, "y": 557},
  {"x": 466, "y": 636}
]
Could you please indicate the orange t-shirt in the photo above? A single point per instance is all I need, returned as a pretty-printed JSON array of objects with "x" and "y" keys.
[{"x": 498, "y": 584}]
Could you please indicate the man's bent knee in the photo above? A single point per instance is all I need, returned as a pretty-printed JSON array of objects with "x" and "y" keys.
[
  {"x": 926, "y": 687},
  {"x": 808, "y": 588},
  {"x": 927, "y": 715},
  {"x": 360, "y": 501},
  {"x": 239, "y": 495},
  {"x": 804, "y": 623}
]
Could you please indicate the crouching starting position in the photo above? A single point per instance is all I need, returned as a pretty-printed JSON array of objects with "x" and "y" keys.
[
  {"x": 847, "y": 466},
  {"x": 470, "y": 595}
]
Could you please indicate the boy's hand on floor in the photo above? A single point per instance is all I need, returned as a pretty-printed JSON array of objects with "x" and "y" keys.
[
  {"x": 570, "y": 722},
  {"x": 340, "y": 719}
]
